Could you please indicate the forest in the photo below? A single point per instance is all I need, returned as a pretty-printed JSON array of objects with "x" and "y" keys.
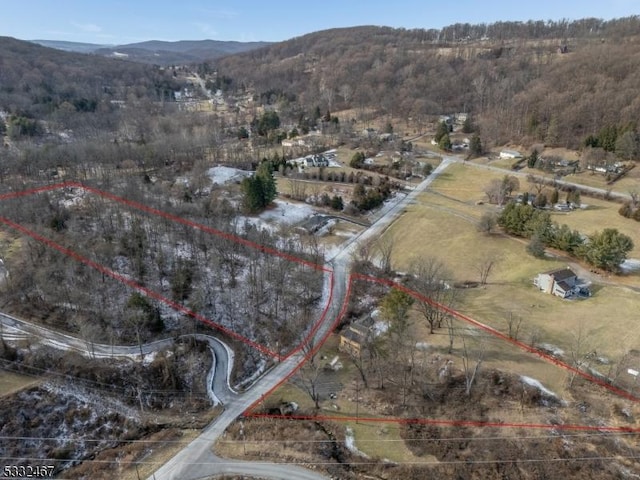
[{"x": 522, "y": 82}]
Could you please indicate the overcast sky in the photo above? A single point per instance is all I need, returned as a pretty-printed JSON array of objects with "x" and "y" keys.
[{"x": 119, "y": 22}]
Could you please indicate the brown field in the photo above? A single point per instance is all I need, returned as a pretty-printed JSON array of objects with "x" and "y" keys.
[
  {"x": 441, "y": 224},
  {"x": 598, "y": 215},
  {"x": 12, "y": 382}
]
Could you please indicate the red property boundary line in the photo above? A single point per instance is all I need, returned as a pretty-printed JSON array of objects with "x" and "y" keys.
[
  {"x": 152, "y": 294},
  {"x": 343, "y": 310},
  {"x": 249, "y": 412}
]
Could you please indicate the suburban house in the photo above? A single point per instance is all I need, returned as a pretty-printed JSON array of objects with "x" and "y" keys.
[
  {"x": 294, "y": 142},
  {"x": 511, "y": 154},
  {"x": 561, "y": 282},
  {"x": 353, "y": 338}
]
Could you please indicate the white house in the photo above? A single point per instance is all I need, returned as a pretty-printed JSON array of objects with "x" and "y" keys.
[
  {"x": 294, "y": 142},
  {"x": 559, "y": 282},
  {"x": 511, "y": 154}
]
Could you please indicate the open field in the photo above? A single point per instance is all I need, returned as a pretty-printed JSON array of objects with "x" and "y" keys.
[
  {"x": 465, "y": 184},
  {"x": 440, "y": 224},
  {"x": 601, "y": 214},
  {"x": 12, "y": 382}
]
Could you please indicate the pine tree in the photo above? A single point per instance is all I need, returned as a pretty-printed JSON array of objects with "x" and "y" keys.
[
  {"x": 475, "y": 146},
  {"x": 442, "y": 130}
]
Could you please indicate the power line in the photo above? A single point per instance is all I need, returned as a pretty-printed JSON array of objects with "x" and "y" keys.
[
  {"x": 88, "y": 383},
  {"x": 232, "y": 463},
  {"x": 360, "y": 441}
]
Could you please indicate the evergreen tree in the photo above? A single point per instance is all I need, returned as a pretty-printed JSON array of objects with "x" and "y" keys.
[
  {"x": 467, "y": 126},
  {"x": 445, "y": 142},
  {"x": 337, "y": 203},
  {"x": 260, "y": 189},
  {"x": 475, "y": 146},
  {"x": 442, "y": 130},
  {"x": 607, "y": 249},
  {"x": 536, "y": 247}
]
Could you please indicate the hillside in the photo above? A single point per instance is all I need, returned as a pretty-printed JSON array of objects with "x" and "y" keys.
[
  {"x": 39, "y": 83},
  {"x": 158, "y": 52},
  {"x": 78, "y": 47},
  {"x": 555, "y": 82}
]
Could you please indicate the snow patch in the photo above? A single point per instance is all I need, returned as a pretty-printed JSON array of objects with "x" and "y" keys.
[
  {"x": 350, "y": 443},
  {"x": 288, "y": 212},
  {"x": 630, "y": 265},
  {"x": 282, "y": 212},
  {"x": 380, "y": 327},
  {"x": 552, "y": 349},
  {"x": 536, "y": 384},
  {"x": 224, "y": 175},
  {"x": 259, "y": 371}
]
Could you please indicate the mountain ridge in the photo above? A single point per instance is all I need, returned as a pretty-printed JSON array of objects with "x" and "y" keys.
[{"x": 159, "y": 52}]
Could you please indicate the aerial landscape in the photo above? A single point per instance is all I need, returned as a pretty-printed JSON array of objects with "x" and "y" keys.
[{"x": 324, "y": 242}]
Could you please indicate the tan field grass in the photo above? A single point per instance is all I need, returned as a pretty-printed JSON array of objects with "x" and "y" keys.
[
  {"x": 466, "y": 184},
  {"x": 598, "y": 215},
  {"x": 12, "y": 382},
  {"x": 443, "y": 227}
]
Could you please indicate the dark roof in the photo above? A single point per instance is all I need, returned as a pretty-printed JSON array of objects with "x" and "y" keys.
[
  {"x": 562, "y": 274},
  {"x": 355, "y": 333},
  {"x": 564, "y": 286}
]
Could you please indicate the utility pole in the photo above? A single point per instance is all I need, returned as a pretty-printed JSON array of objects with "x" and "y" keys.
[{"x": 357, "y": 400}]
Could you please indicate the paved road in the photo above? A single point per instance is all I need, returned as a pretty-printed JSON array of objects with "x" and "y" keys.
[
  {"x": 197, "y": 460},
  {"x": 584, "y": 188},
  {"x": 218, "y": 388}
]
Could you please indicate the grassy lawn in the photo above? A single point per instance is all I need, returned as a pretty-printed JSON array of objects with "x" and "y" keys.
[
  {"x": 440, "y": 224},
  {"x": 598, "y": 215},
  {"x": 383, "y": 441}
]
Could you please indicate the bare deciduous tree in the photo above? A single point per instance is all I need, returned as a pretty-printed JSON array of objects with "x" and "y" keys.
[
  {"x": 308, "y": 375},
  {"x": 430, "y": 280},
  {"x": 385, "y": 250},
  {"x": 487, "y": 222},
  {"x": 484, "y": 268},
  {"x": 513, "y": 324},
  {"x": 471, "y": 367},
  {"x": 581, "y": 353}
]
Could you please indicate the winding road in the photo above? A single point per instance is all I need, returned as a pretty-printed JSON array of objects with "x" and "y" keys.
[{"x": 197, "y": 460}]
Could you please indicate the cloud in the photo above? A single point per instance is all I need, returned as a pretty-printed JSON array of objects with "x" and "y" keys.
[
  {"x": 206, "y": 29},
  {"x": 219, "y": 13},
  {"x": 87, "y": 27}
]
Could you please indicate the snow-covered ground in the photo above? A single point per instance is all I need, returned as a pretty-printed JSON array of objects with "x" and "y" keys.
[
  {"x": 350, "y": 443},
  {"x": 224, "y": 175},
  {"x": 555, "y": 351},
  {"x": 283, "y": 213},
  {"x": 630, "y": 265},
  {"x": 536, "y": 384}
]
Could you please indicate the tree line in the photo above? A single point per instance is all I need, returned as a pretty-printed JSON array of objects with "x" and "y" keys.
[{"x": 606, "y": 249}]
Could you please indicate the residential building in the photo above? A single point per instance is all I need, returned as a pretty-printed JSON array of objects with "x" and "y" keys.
[{"x": 559, "y": 282}]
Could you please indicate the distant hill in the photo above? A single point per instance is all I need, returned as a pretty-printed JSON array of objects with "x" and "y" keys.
[
  {"x": 71, "y": 46},
  {"x": 537, "y": 81},
  {"x": 158, "y": 52},
  {"x": 177, "y": 53},
  {"x": 43, "y": 83}
]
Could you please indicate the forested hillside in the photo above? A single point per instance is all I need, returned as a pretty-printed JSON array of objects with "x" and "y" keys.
[
  {"x": 39, "y": 83},
  {"x": 556, "y": 82}
]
